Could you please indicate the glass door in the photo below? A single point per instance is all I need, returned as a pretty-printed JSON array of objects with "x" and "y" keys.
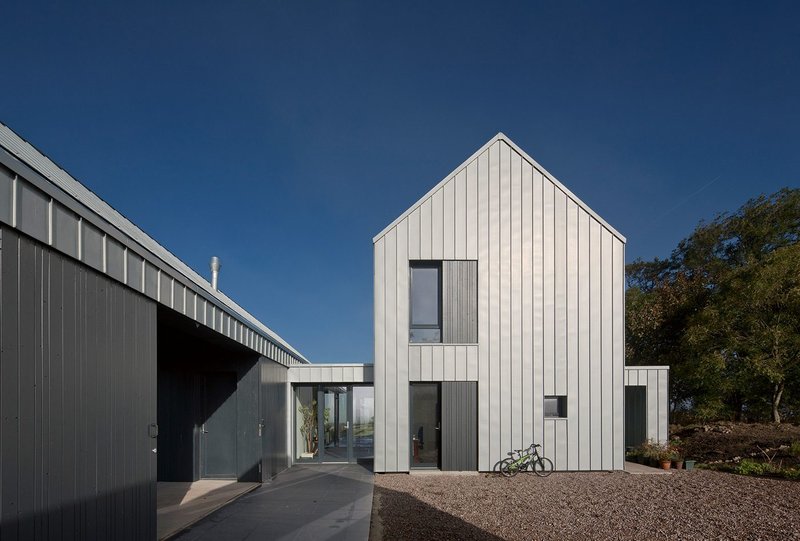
[
  {"x": 425, "y": 425},
  {"x": 335, "y": 424},
  {"x": 363, "y": 415}
]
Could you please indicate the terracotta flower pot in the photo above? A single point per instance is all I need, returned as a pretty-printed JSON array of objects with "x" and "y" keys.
[
  {"x": 666, "y": 464},
  {"x": 678, "y": 464}
]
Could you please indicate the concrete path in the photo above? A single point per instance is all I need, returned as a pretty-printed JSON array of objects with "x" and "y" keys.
[
  {"x": 182, "y": 504},
  {"x": 303, "y": 503},
  {"x": 640, "y": 469}
]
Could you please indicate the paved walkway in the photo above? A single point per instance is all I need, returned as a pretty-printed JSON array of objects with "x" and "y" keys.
[
  {"x": 640, "y": 469},
  {"x": 182, "y": 504},
  {"x": 303, "y": 503}
]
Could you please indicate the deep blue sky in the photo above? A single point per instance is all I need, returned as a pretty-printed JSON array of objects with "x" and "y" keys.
[{"x": 282, "y": 136}]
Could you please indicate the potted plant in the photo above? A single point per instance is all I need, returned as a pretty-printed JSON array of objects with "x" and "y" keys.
[
  {"x": 648, "y": 453},
  {"x": 689, "y": 464},
  {"x": 664, "y": 455},
  {"x": 308, "y": 428},
  {"x": 677, "y": 454}
]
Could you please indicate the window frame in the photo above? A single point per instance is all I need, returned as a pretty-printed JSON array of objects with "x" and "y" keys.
[
  {"x": 424, "y": 264},
  {"x": 561, "y": 406}
]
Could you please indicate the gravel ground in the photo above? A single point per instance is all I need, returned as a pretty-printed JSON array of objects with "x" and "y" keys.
[{"x": 685, "y": 505}]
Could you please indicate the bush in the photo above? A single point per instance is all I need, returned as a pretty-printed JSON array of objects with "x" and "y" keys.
[
  {"x": 753, "y": 467},
  {"x": 794, "y": 448}
]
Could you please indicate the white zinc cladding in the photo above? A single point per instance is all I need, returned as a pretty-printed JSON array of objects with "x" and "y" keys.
[
  {"x": 655, "y": 379},
  {"x": 550, "y": 313},
  {"x": 501, "y": 137},
  {"x": 53, "y": 207},
  {"x": 331, "y": 373}
]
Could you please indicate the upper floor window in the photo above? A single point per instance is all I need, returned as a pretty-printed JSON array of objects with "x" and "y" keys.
[
  {"x": 443, "y": 302},
  {"x": 426, "y": 301}
]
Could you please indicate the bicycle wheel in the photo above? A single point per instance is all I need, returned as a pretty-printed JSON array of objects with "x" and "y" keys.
[
  {"x": 543, "y": 467},
  {"x": 509, "y": 467}
]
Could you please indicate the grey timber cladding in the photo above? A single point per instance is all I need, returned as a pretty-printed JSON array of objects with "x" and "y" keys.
[
  {"x": 656, "y": 380},
  {"x": 44, "y": 201},
  {"x": 459, "y": 426},
  {"x": 550, "y": 307},
  {"x": 78, "y": 380},
  {"x": 459, "y": 302}
]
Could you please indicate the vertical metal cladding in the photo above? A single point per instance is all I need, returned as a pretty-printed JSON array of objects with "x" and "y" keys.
[
  {"x": 655, "y": 379},
  {"x": 274, "y": 391},
  {"x": 44, "y": 202},
  {"x": 549, "y": 308},
  {"x": 78, "y": 377}
]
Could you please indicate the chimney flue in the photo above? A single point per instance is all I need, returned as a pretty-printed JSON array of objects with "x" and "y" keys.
[{"x": 215, "y": 266}]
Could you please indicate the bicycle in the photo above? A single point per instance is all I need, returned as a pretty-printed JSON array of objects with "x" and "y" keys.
[{"x": 526, "y": 458}]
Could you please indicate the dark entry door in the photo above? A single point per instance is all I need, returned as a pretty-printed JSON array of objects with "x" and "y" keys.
[
  {"x": 218, "y": 431},
  {"x": 426, "y": 417},
  {"x": 635, "y": 415}
]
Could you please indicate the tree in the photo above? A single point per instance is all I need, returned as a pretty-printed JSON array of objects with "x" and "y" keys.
[
  {"x": 754, "y": 322},
  {"x": 710, "y": 310}
]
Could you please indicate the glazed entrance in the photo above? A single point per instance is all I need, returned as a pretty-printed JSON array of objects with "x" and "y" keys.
[{"x": 334, "y": 423}]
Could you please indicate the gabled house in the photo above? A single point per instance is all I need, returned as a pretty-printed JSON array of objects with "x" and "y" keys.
[{"x": 499, "y": 321}]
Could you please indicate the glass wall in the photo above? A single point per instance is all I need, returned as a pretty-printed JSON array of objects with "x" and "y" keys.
[
  {"x": 334, "y": 423},
  {"x": 306, "y": 424},
  {"x": 363, "y": 422}
]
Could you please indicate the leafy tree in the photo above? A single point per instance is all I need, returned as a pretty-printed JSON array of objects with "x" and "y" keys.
[
  {"x": 722, "y": 311},
  {"x": 753, "y": 324}
]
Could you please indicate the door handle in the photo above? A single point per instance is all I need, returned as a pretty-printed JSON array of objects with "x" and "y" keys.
[{"x": 203, "y": 429}]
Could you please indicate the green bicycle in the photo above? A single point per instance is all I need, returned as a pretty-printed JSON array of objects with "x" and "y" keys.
[{"x": 522, "y": 459}]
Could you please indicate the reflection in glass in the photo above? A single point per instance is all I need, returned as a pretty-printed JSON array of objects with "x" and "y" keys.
[
  {"x": 425, "y": 302},
  {"x": 306, "y": 431},
  {"x": 424, "y": 296},
  {"x": 335, "y": 423},
  {"x": 363, "y": 422},
  {"x": 425, "y": 438}
]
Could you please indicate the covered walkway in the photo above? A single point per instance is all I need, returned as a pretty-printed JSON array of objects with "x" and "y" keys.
[{"x": 305, "y": 502}]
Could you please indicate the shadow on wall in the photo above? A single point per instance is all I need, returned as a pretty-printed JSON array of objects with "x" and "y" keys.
[
  {"x": 208, "y": 404},
  {"x": 127, "y": 514}
]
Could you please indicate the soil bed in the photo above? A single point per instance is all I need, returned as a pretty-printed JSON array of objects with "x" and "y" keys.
[
  {"x": 725, "y": 441},
  {"x": 684, "y": 505}
]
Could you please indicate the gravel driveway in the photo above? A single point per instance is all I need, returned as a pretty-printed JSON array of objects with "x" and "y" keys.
[{"x": 685, "y": 505}]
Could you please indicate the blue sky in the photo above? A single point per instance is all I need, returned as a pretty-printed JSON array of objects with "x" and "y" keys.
[{"x": 281, "y": 136}]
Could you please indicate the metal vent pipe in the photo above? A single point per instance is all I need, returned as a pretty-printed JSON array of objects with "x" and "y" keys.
[{"x": 215, "y": 266}]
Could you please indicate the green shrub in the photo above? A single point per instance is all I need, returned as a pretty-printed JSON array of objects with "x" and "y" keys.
[
  {"x": 794, "y": 448},
  {"x": 791, "y": 474},
  {"x": 752, "y": 467}
]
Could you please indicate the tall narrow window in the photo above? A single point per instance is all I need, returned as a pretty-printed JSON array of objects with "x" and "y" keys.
[{"x": 426, "y": 301}]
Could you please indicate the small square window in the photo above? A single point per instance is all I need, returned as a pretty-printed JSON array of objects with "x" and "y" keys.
[{"x": 555, "y": 406}]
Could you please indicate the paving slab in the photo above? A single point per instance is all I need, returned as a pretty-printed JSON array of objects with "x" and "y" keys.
[
  {"x": 640, "y": 469},
  {"x": 306, "y": 502},
  {"x": 181, "y": 504}
]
